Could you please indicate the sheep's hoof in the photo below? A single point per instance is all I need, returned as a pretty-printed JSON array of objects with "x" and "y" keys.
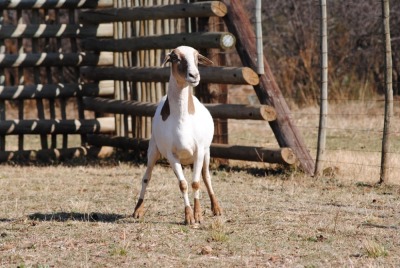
[
  {"x": 138, "y": 213},
  {"x": 197, "y": 211},
  {"x": 139, "y": 210},
  {"x": 216, "y": 209},
  {"x": 189, "y": 218}
]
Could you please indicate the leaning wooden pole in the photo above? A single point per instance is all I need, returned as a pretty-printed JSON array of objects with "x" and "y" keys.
[
  {"x": 267, "y": 91},
  {"x": 324, "y": 91},
  {"x": 384, "y": 174}
]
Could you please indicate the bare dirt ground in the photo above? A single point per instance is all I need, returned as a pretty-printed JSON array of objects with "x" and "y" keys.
[{"x": 61, "y": 216}]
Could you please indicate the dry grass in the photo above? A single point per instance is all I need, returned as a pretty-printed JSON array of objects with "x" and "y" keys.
[
  {"x": 79, "y": 217},
  {"x": 59, "y": 216}
]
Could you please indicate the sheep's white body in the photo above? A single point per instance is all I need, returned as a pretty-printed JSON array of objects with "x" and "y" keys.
[{"x": 182, "y": 132}]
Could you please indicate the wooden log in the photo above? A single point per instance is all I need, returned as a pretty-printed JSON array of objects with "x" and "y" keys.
[
  {"x": 55, "y": 59},
  {"x": 56, "y": 30},
  {"x": 222, "y": 40},
  {"x": 268, "y": 92},
  {"x": 49, "y": 155},
  {"x": 226, "y": 151},
  {"x": 52, "y": 91},
  {"x": 54, "y": 126},
  {"x": 198, "y": 9},
  {"x": 241, "y": 111},
  {"x": 222, "y": 111},
  {"x": 250, "y": 153},
  {"x": 54, "y": 4},
  {"x": 217, "y": 75},
  {"x": 118, "y": 142}
]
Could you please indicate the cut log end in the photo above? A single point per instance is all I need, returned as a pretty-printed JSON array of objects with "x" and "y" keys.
[
  {"x": 288, "y": 156},
  {"x": 268, "y": 113},
  {"x": 250, "y": 76},
  {"x": 227, "y": 41},
  {"x": 219, "y": 8}
]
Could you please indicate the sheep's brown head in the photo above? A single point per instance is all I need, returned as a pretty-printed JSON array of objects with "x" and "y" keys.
[{"x": 184, "y": 61}]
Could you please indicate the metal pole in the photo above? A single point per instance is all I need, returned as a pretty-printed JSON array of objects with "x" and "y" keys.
[
  {"x": 324, "y": 91},
  {"x": 259, "y": 40},
  {"x": 384, "y": 175}
]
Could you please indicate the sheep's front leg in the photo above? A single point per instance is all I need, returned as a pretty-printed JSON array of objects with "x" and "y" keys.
[
  {"x": 197, "y": 167},
  {"x": 216, "y": 209},
  {"x": 152, "y": 156},
  {"x": 183, "y": 186}
]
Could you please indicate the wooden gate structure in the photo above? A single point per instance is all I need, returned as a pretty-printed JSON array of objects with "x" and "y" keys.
[{"x": 78, "y": 75}]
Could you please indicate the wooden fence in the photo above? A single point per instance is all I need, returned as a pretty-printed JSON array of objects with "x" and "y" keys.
[{"x": 104, "y": 61}]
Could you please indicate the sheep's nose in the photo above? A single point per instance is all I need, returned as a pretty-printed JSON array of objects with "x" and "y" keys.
[{"x": 194, "y": 75}]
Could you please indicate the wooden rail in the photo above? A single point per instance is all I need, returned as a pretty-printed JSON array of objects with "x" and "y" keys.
[
  {"x": 198, "y": 9},
  {"x": 52, "y": 91},
  {"x": 55, "y": 126},
  {"x": 248, "y": 153},
  {"x": 48, "y": 155},
  {"x": 56, "y": 30},
  {"x": 222, "y": 111},
  {"x": 223, "y": 40},
  {"x": 55, "y": 59},
  {"x": 36, "y": 4},
  {"x": 218, "y": 75}
]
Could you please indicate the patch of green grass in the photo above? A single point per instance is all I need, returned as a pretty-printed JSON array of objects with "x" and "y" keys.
[
  {"x": 119, "y": 251},
  {"x": 375, "y": 250},
  {"x": 218, "y": 232}
]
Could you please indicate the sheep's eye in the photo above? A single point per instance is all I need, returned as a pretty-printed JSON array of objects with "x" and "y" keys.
[{"x": 174, "y": 57}]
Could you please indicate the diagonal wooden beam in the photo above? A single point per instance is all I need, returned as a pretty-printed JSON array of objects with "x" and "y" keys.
[{"x": 268, "y": 92}]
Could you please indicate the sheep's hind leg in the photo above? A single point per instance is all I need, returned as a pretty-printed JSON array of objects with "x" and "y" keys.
[
  {"x": 183, "y": 186},
  {"x": 216, "y": 209},
  {"x": 152, "y": 156}
]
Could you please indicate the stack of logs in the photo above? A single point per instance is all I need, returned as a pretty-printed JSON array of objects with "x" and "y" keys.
[
  {"x": 217, "y": 75},
  {"x": 97, "y": 67}
]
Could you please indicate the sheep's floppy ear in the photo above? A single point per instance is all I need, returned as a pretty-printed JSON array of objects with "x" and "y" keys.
[
  {"x": 204, "y": 60},
  {"x": 167, "y": 59}
]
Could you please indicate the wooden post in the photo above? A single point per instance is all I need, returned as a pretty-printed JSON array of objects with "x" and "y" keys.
[
  {"x": 2, "y": 82},
  {"x": 384, "y": 174},
  {"x": 39, "y": 4},
  {"x": 324, "y": 91},
  {"x": 36, "y": 59},
  {"x": 267, "y": 91},
  {"x": 199, "y": 9},
  {"x": 222, "y": 40},
  {"x": 226, "y": 151},
  {"x": 57, "y": 30},
  {"x": 218, "y": 75},
  {"x": 217, "y": 110}
]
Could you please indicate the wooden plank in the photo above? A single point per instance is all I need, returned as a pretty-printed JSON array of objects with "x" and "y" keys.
[
  {"x": 52, "y": 91},
  {"x": 50, "y": 155},
  {"x": 223, "y": 40},
  {"x": 251, "y": 153},
  {"x": 54, "y": 126},
  {"x": 198, "y": 9},
  {"x": 55, "y": 59},
  {"x": 54, "y": 4},
  {"x": 218, "y": 75},
  {"x": 57, "y": 30},
  {"x": 268, "y": 92},
  {"x": 245, "y": 153},
  {"x": 139, "y": 108},
  {"x": 36, "y": 79}
]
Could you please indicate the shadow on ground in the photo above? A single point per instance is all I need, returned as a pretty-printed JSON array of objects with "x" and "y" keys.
[{"x": 76, "y": 216}]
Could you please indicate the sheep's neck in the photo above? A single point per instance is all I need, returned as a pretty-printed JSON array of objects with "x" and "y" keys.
[{"x": 180, "y": 99}]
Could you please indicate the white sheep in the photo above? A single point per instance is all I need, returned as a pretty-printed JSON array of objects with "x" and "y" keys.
[{"x": 182, "y": 132}]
